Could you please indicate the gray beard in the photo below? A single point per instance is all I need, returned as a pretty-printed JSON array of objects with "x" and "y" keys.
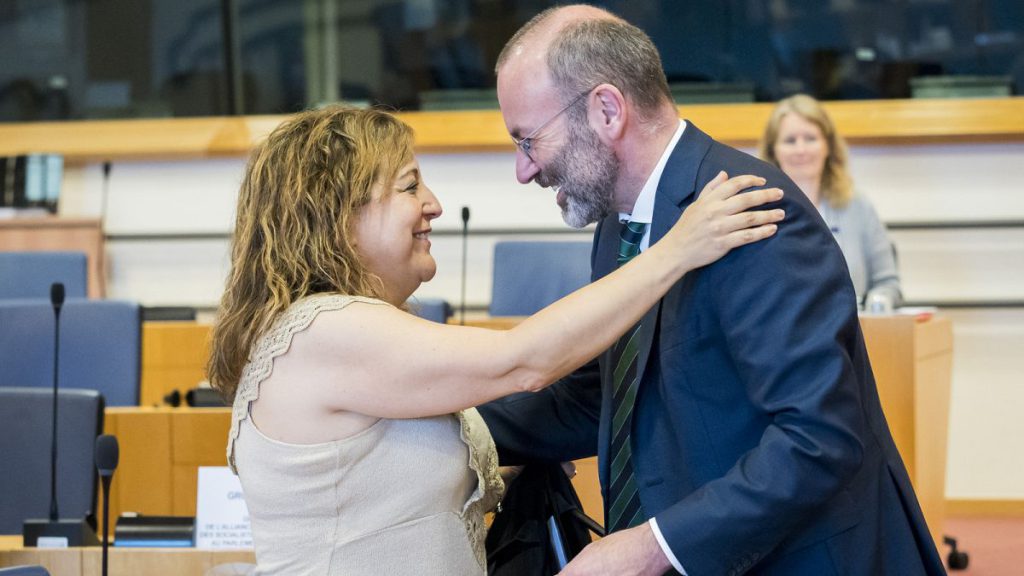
[
  {"x": 585, "y": 171},
  {"x": 579, "y": 211}
]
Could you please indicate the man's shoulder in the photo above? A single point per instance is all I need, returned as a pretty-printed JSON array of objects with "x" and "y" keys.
[
  {"x": 712, "y": 157},
  {"x": 736, "y": 162}
]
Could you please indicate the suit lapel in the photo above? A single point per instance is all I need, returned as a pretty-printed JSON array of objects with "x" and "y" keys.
[
  {"x": 678, "y": 184},
  {"x": 676, "y": 190},
  {"x": 607, "y": 238}
]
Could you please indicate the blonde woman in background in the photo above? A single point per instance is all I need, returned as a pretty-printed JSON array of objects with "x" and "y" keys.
[
  {"x": 353, "y": 432},
  {"x": 801, "y": 140}
]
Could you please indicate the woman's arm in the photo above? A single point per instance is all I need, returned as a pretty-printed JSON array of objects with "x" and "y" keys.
[{"x": 380, "y": 361}]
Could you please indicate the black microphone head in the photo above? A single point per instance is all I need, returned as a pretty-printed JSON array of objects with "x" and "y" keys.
[
  {"x": 173, "y": 398},
  {"x": 57, "y": 294},
  {"x": 465, "y": 214},
  {"x": 107, "y": 454}
]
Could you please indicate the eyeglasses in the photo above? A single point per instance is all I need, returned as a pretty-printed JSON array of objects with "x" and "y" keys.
[{"x": 526, "y": 143}]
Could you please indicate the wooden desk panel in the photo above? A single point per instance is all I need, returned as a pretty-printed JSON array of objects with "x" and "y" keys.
[
  {"x": 199, "y": 438},
  {"x": 913, "y": 361},
  {"x": 59, "y": 562},
  {"x": 161, "y": 451},
  {"x": 142, "y": 482},
  {"x": 174, "y": 356},
  {"x": 60, "y": 234},
  {"x": 123, "y": 561}
]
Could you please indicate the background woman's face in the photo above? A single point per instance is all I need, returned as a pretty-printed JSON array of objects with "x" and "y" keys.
[{"x": 801, "y": 148}]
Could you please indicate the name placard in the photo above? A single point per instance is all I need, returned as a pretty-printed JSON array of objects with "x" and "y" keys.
[{"x": 222, "y": 519}]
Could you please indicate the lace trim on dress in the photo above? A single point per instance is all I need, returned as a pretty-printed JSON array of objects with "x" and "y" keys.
[
  {"x": 483, "y": 460},
  {"x": 274, "y": 343}
]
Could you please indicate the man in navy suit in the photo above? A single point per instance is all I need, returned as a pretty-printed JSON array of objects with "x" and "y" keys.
[{"x": 739, "y": 430}]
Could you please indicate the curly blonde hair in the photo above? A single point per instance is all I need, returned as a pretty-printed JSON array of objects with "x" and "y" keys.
[
  {"x": 302, "y": 189},
  {"x": 836, "y": 184}
]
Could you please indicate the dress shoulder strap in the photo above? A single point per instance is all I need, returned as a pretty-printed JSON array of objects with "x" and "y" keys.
[{"x": 276, "y": 342}]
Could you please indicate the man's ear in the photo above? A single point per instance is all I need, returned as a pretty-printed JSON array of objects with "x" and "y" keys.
[{"x": 608, "y": 113}]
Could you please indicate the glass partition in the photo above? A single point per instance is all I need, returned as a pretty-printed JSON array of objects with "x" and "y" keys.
[{"x": 77, "y": 59}]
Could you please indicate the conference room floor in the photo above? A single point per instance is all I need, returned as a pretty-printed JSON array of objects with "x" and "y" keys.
[{"x": 995, "y": 545}]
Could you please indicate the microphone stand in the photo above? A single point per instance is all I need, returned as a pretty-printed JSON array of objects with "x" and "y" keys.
[
  {"x": 57, "y": 300},
  {"x": 465, "y": 238},
  {"x": 57, "y": 531},
  {"x": 107, "y": 455},
  {"x": 106, "y": 520}
]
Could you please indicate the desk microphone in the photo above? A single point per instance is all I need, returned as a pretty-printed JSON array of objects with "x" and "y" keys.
[
  {"x": 198, "y": 397},
  {"x": 57, "y": 300},
  {"x": 465, "y": 237},
  {"x": 107, "y": 455},
  {"x": 71, "y": 532},
  {"x": 105, "y": 193}
]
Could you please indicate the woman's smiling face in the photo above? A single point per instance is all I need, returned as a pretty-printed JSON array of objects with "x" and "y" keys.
[{"x": 392, "y": 233}]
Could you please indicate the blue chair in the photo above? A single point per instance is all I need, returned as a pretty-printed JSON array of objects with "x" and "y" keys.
[
  {"x": 434, "y": 309},
  {"x": 30, "y": 274},
  {"x": 530, "y": 275},
  {"x": 25, "y": 438},
  {"x": 100, "y": 346},
  {"x": 24, "y": 571}
]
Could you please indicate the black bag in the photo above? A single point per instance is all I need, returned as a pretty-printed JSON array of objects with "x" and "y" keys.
[{"x": 519, "y": 541}]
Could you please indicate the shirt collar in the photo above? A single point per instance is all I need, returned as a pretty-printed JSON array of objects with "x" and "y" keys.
[{"x": 643, "y": 208}]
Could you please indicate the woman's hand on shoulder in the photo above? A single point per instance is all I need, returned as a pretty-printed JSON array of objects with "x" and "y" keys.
[{"x": 722, "y": 218}]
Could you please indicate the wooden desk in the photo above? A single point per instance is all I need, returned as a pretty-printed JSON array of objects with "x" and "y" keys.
[
  {"x": 913, "y": 361},
  {"x": 174, "y": 356},
  {"x": 161, "y": 452},
  {"x": 53, "y": 233},
  {"x": 122, "y": 561}
]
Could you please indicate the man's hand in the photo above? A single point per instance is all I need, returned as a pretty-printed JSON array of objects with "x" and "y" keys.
[{"x": 632, "y": 552}]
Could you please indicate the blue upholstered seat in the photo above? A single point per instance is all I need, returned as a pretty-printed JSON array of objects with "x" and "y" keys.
[
  {"x": 100, "y": 346},
  {"x": 530, "y": 275},
  {"x": 26, "y": 420},
  {"x": 30, "y": 274},
  {"x": 24, "y": 571},
  {"x": 435, "y": 309}
]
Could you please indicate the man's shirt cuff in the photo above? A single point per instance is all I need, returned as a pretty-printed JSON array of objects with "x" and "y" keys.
[{"x": 664, "y": 547}]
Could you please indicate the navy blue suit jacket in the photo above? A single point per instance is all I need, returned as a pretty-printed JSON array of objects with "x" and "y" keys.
[{"x": 758, "y": 438}]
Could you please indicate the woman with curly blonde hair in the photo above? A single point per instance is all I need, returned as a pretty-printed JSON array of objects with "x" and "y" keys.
[
  {"x": 801, "y": 140},
  {"x": 353, "y": 432}
]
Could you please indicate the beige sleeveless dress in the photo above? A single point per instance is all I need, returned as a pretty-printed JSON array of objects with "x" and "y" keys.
[{"x": 401, "y": 497}]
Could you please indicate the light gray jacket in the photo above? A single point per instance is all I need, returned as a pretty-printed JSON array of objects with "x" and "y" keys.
[{"x": 865, "y": 243}]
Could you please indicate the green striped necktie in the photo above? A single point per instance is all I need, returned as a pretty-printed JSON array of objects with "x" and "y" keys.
[{"x": 623, "y": 507}]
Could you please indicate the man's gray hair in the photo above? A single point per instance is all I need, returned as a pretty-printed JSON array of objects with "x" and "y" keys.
[{"x": 596, "y": 51}]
